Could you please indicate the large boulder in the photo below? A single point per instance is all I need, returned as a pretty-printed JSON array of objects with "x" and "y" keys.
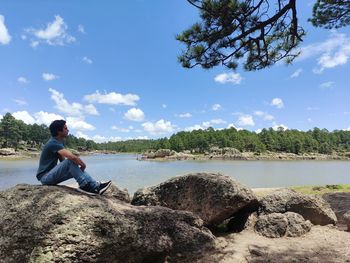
[
  {"x": 346, "y": 217},
  {"x": 212, "y": 196},
  {"x": 312, "y": 208},
  {"x": 340, "y": 204},
  {"x": 60, "y": 224},
  {"x": 120, "y": 194},
  {"x": 278, "y": 225}
]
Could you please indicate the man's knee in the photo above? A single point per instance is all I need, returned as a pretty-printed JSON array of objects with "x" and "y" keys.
[{"x": 70, "y": 163}]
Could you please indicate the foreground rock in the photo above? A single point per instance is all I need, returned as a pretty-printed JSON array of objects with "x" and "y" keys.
[
  {"x": 347, "y": 219},
  {"x": 212, "y": 196},
  {"x": 278, "y": 225},
  {"x": 59, "y": 224},
  {"x": 120, "y": 194},
  {"x": 340, "y": 204},
  {"x": 312, "y": 208}
]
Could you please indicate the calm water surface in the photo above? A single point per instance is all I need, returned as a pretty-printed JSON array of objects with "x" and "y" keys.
[{"x": 129, "y": 173}]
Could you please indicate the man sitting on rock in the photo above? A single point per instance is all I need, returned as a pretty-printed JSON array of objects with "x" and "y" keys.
[{"x": 70, "y": 166}]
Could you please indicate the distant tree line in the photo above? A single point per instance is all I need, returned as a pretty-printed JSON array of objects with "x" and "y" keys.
[
  {"x": 16, "y": 134},
  {"x": 13, "y": 132}
]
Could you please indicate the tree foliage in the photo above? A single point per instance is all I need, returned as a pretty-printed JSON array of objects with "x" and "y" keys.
[
  {"x": 13, "y": 131},
  {"x": 256, "y": 33},
  {"x": 331, "y": 13}
]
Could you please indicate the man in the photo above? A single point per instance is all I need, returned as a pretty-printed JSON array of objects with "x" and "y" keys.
[{"x": 70, "y": 166}]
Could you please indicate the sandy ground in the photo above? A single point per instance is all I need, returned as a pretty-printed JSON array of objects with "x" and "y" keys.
[{"x": 321, "y": 244}]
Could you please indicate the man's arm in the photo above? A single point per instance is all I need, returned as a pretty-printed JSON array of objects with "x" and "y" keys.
[
  {"x": 61, "y": 158},
  {"x": 70, "y": 156}
]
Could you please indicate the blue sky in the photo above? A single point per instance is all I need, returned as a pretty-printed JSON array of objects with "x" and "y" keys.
[{"x": 110, "y": 69}]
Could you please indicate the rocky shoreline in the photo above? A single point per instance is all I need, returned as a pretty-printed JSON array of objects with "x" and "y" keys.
[
  {"x": 234, "y": 154},
  {"x": 199, "y": 217},
  {"x": 170, "y": 155},
  {"x": 12, "y": 154}
]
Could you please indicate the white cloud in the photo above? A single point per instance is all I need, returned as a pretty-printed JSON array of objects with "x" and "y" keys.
[
  {"x": 91, "y": 109},
  {"x": 216, "y": 107},
  {"x": 194, "y": 127},
  {"x": 258, "y": 131},
  {"x": 55, "y": 33},
  {"x": 46, "y": 118},
  {"x": 245, "y": 120},
  {"x": 184, "y": 115},
  {"x": 112, "y": 98},
  {"x": 309, "y": 120},
  {"x": 49, "y": 76},
  {"x": 312, "y": 108},
  {"x": 5, "y": 37},
  {"x": 24, "y": 116},
  {"x": 159, "y": 127},
  {"x": 164, "y": 106},
  {"x": 79, "y": 124},
  {"x": 296, "y": 73},
  {"x": 71, "y": 109},
  {"x": 1, "y": 116},
  {"x": 21, "y": 102},
  {"x": 264, "y": 115},
  {"x": 327, "y": 85},
  {"x": 134, "y": 114},
  {"x": 137, "y": 138},
  {"x": 34, "y": 44},
  {"x": 80, "y": 134},
  {"x": 40, "y": 117},
  {"x": 120, "y": 129},
  {"x": 333, "y": 52},
  {"x": 22, "y": 80},
  {"x": 234, "y": 78},
  {"x": 99, "y": 138},
  {"x": 278, "y": 103},
  {"x": 81, "y": 29},
  {"x": 231, "y": 125},
  {"x": 207, "y": 124},
  {"x": 277, "y": 126},
  {"x": 87, "y": 60}
]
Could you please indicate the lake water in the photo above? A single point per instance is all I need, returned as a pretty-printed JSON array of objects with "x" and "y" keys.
[{"x": 127, "y": 172}]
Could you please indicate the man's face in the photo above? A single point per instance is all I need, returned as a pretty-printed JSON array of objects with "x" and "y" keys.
[{"x": 64, "y": 132}]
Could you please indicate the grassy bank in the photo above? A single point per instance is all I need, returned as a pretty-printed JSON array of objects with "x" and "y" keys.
[{"x": 322, "y": 189}]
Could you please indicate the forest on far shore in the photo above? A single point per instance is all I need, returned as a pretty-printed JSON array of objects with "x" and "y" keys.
[{"x": 16, "y": 134}]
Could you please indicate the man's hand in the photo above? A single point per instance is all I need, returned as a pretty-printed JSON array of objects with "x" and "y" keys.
[
  {"x": 75, "y": 159},
  {"x": 83, "y": 166}
]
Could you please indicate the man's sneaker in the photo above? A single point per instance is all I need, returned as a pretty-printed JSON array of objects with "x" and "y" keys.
[
  {"x": 103, "y": 187},
  {"x": 87, "y": 189}
]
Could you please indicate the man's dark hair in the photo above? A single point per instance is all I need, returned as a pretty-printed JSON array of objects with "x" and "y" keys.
[{"x": 56, "y": 126}]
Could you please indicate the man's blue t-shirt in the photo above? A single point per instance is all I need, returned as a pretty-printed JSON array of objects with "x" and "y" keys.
[{"x": 49, "y": 156}]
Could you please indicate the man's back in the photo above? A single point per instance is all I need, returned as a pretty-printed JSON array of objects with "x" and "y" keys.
[{"x": 49, "y": 156}]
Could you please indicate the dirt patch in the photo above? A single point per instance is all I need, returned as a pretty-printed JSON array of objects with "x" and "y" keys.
[{"x": 321, "y": 244}]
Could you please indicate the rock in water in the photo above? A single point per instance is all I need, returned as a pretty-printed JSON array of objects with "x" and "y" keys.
[
  {"x": 312, "y": 208},
  {"x": 212, "y": 196},
  {"x": 57, "y": 223}
]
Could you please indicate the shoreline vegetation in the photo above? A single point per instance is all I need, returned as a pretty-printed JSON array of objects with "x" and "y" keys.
[
  {"x": 19, "y": 140},
  {"x": 170, "y": 155}
]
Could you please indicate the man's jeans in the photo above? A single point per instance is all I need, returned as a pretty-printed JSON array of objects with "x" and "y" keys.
[{"x": 67, "y": 170}]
